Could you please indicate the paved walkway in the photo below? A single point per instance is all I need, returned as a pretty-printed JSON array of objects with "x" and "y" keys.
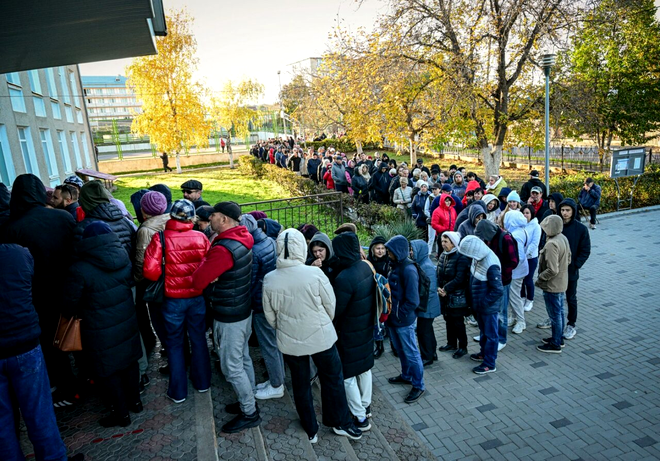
[{"x": 598, "y": 400}]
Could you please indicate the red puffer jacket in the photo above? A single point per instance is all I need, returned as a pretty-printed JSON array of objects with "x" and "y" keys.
[
  {"x": 444, "y": 217},
  {"x": 184, "y": 251}
]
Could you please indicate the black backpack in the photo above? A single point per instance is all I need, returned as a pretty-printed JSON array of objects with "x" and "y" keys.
[{"x": 424, "y": 287}]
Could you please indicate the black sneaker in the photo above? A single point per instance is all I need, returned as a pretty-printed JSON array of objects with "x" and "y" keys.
[
  {"x": 483, "y": 369},
  {"x": 164, "y": 370},
  {"x": 549, "y": 348},
  {"x": 242, "y": 422},
  {"x": 136, "y": 407},
  {"x": 349, "y": 431},
  {"x": 414, "y": 395},
  {"x": 114, "y": 419},
  {"x": 369, "y": 411},
  {"x": 235, "y": 408},
  {"x": 399, "y": 380},
  {"x": 459, "y": 353},
  {"x": 477, "y": 357},
  {"x": 549, "y": 340},
  {"x": 364, "y": 426},
  {"x": 447, "y": 348}
]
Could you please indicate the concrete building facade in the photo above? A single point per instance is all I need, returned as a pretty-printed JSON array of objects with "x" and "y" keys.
[
  {"x": 44, "y": 129},
  {"x": 109, "y": 98}
]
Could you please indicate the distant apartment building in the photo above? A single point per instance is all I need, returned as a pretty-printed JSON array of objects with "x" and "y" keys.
[
  {"x": 43, "y": 125},
  {"x": 108, "y": 98}
]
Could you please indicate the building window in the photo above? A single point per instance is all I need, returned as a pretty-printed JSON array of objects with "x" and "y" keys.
[
  {"x": 7, "y": 172},
  {"x": 14, "y": 78},
  {"x": 57, "y": 112},
  {"x": 52, "y": 88},
  {"x": 35, "y": 83},
  {"x": 74, "y": 90},
  {"x": 27, "y": 149},
  {"x": 69, "y": 113},
  {"x": 65, "y": 86},
  {"x": 85, "y": 149},
  {"x": 76, "y": 149},
  {"x": 39, "y": 106},
  {"x": 17, "y": 101},
  {"x": 49, "y": 154},
  {"x": 79, "y": 116},
  {"x": 64, "y": 151}
]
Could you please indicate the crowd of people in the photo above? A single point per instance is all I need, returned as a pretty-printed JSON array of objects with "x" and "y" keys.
[{"x": 314, "y": 303}]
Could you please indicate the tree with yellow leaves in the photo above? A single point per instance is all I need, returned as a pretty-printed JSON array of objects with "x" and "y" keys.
[
  {"x": 232, "y": 112},
  {"x": 173, "y": 115}
]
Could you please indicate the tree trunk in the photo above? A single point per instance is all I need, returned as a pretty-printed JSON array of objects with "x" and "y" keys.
[
  {"x": 178, "y": 163},
  {"x": 492, "y": 160},
  {"x": 413, "y": 153},
  {"x": 230, "y": 152},
  {"x": 358, "y": 147}
]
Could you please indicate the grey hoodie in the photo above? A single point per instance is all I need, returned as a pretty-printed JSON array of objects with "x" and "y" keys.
[{"x": 468, "y": 227}]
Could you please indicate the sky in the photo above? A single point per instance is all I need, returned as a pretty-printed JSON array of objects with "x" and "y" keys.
[{"x": 256, "y": 38}]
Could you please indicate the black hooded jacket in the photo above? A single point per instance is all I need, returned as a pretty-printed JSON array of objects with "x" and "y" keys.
[
  {"x": 557, "y": 198},
  {"x": 382, "y": 265},
  {"x": 356, "y": 307},
  {"x": 110, "y": 214},
  {"x": 526, "y": 189},
  {"x": 48, "y": 234},
  {"x": 578, "y": 239},
  {"x": 98, "y": 290}
]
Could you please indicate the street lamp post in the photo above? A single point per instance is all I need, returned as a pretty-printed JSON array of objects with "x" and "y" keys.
[
  {"x": 548, "y": 60},
  {"x": 279, "y": 78}
]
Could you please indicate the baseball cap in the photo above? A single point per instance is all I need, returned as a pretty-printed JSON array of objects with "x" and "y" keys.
[
  {"x": 534, "y": 173},
  {"x": 537, "y": 189}
]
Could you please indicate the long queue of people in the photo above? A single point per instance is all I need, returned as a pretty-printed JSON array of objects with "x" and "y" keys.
[{"x": 311, "y": 301}]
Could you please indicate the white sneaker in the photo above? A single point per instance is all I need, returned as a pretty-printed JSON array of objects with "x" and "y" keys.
[
  {"x": 519, "y": 327},
  {"x": 477, "y": 338},
  {"x": 269, "y": 392},
  {"x": 314, "y": 439},
  {"x": 511, "y": 322},
  {"x": 528, "y": 305},
  {"x": 263, "y": 385},
  {"x": 500, "y": 346},
  {"x": 545, "y": 324},
  {"x": 569, "y": 332}
]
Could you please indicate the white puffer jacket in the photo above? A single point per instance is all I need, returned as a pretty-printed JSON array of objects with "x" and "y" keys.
[{"x": 298, "y": 300}]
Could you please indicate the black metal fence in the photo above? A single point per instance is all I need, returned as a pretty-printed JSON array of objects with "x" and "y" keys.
[{"x": 325, "y": 211}]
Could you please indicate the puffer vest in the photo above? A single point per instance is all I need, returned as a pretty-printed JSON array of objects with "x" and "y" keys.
[{"x": 230, "y": 297}]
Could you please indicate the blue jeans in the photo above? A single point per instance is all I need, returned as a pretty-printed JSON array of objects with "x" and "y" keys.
[
  {"x": 268, "y": 344},
  {"x": 404, "y": 342},
  {"x": 26, "y": 376},
  {"x": 554, "y": 304},
  {"x": 488, "y": 337},
  {"x": 503, "y": 316},
  {"x": 191, "y": 314}
]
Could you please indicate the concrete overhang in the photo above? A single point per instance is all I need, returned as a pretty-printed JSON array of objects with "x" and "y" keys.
[{"x": 42, "y": 33}]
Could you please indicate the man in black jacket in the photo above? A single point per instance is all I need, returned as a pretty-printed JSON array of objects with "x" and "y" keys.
[
  {"x": 355, "y": 315},
  {"x": 313, "y": 167},
  {"x": 22, "y": 364},
  {"x": 48, "y": 234},
  {"x": 580, "y": 243},
  {"x": 534, "y": 181}
]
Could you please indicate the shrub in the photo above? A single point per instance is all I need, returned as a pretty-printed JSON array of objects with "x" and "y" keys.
[
  {"x": 406, "y": 227},
  {"x": 341, "y": 145}
]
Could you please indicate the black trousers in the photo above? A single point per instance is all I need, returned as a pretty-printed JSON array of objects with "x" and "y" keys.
[
  {"x": 455, "y": 325},
  {"x": 571, "y": 299},
  {"x": 333, "y": 395},
  {"x": 142, "y": 314},
  {"x": 122, "y": 388},
  {"x": 426, "y": 338}
]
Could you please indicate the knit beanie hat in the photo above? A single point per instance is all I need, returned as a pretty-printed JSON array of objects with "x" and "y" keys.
[
  {"x": 454, "y": 237},
  {"x": 183, "y": 210},
  {"x": 421, "y": 183},
  {"x": 309, "y": 231},
  {"x": 513, "y": 197},
  {"x": 92, "y": 194},
  {"x": 153, "y": 203},
  {"x": 96, "y": 228},
  {"x": 258, "y": 214}
]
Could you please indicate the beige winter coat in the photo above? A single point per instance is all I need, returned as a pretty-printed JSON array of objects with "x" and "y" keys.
[
  {"x": 144, "y": 233},
  {"x": 554, "y": 258},
  {"x": 298, "y": 300}
]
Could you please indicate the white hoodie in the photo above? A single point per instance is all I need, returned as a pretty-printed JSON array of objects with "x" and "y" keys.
[{"x": 515, "y": 222}]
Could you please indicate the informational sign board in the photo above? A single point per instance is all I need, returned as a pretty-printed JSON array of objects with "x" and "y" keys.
[{"x": 627, "y": 162}]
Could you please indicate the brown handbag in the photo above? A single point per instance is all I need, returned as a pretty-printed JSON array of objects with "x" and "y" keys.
[{"x": 67, "y": 336}]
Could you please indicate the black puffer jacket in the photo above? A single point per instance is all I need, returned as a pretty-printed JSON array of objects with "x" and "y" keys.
[
  {"x": 4, "y": 204},
  {"x": 382, "y": 264},
  {"x": 48, "y": 234},
  {"x": 356, "y": 307},
  {"x": 453, "y": 277},
  {"x": 110, "y": 214},
  {"x": 98, "y": 290}
]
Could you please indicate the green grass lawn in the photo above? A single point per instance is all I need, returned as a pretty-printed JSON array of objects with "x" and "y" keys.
[{"x": 219, "y": 185}]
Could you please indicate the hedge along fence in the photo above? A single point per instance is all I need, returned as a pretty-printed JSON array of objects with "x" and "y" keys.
[
  {"x": 647, "y": 191},
  {"x": 341, "y": 145}
]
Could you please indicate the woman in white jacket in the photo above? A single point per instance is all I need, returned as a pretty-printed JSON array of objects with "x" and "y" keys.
[
  {"x": 533, "y": 230},
  {"x": 299, "y": 303}
]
